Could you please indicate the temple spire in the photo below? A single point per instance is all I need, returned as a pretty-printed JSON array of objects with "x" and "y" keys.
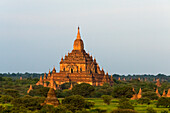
[{"x": 78, "y": 33}]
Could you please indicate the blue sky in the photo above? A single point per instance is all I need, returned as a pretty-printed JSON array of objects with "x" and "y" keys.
[{"x": 125, "y": 36}]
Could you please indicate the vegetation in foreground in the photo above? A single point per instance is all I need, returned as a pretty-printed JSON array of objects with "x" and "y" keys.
[{"x": 83, "y": 98}]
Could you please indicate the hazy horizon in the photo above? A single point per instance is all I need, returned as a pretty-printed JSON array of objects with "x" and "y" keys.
[{"x": 125, "y": 36}]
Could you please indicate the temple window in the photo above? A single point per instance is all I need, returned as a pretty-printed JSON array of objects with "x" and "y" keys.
[
  {"x": 71, "y": 70},
  {"x": 80, "y": 69},
  {"x": 64, "y": 69}
]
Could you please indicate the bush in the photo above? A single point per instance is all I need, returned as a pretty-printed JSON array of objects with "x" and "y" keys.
[
  {"x": 164, "y": 111},
  {"x": 163, "y": 101},
  {"x": 122, "y": 91},
  {"x": 123, "y": 111},
  {"x": 107, "y": 99},
  {"x": 144, "y": 100},
  {"x": 28, "y": 102},
  {"x": 12, "y": 92},
  {"x": 5, "y": 99},
  {"x": 76, "y": 102},
  {"x": 39, "y": 91},
  {"x": 150, "y": 110},
  {"x": 124, "y": 104},
  {"x": 83, "y": 89},
  {"x": 151, "y": 95}
]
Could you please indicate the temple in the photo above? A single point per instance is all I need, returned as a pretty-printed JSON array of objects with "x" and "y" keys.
[{"x": 77, "y": 66}]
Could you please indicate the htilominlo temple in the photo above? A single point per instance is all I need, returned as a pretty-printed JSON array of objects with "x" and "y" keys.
[{"x": 78, "y": 66}]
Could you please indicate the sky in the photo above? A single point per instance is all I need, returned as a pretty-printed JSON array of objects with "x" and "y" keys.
[{"x": 125, "y": 36}]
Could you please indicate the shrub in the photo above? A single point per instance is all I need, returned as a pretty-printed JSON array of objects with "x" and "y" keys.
[
  {"x": 144, "y": 101},
  {"x": 150, "y": 110},
  {"x": 123, "y": 111},
  {"x": 6, "y": 99},
  {"x": 124, "y": 104},
  {"x": 28, "y": 102},
  {"x": 122, "y": 91},
  {"x": 107, "y": 99},
  {"x": 76, "y": 102},
  {"x": 163, "y": 101},
  {"x": 150, "y": 94},
  {"x": 12, "y": 92},
  {"x": 164, "y": 111},
  {"x": 83, "y": 89}
]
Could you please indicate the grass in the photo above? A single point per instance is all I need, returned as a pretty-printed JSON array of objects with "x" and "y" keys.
[{"x": 114, "y": 103}]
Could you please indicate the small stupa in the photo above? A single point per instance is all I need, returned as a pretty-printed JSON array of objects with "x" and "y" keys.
[
  {"x": 51, "y": 98},
  {"x": 164, "y": 93},
  {"x": 20, "y": 78},
  {"x": 45, "y": 76},
  {"x": 45, "y": 84},
  {"x": 168, "y": 94},
  {"x": 52, "y": 83},
  {"x": 157, "y": 92},
  {"x": 134, "y": 97},
  {"x": 40, "y": 82},
  {"x": 145, "y": 79},
  {"x": 139, "y": 79},
  {"x": 30, "y": 89},
  {"x": 158, "y": 83},
  {"x": 139, "y": 94},
  {"x": 124, "y": 79},
  {"x": 119, "y": 79}
]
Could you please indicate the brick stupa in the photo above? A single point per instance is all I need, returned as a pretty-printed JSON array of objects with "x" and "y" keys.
[
  {"x": 51, "y": 98},
  {"x": 139, "y": 94},
  {"x": 30, "y": 89},
  {"x": 134, "y": 97},
  {"x": 164, "y": 94},
  {"x": 157, "y": 92},
  {"x": 168, "y": 94},
  {"x": 158, "y": 83}
]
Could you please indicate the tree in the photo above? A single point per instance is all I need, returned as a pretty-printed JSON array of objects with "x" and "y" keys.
[
  {"x": 39, "y": 91},
  {"x": 107, "y": 99},
  {"x": 144, "y": 100},
  {"x": 163, "y": 101},
  {"x": 28, "y": 102},
  {"x": 122, "y": 91},
  {"x": 151, "y": 95},
  {"x": 83, "y": 89},
  {"x": 6, "y": 99},
  {"x": 12, "y": 92},
  {"x": 75, "y": 102},
  {"x": 125, "y": 104}
]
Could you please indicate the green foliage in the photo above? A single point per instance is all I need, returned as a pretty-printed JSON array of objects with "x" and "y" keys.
[
  {"x": 164, "y": 111},
  {"x": 83, "y": 89},
  {"x": 144, "y": 100},
  {"x": 75, "y": 102},
  {"x": 12, "y": 92},
  {"x": 123, "y": 111},
  {"x": 52, "y": 109},
  {"x": 31, "y": 103},
  {"x": 5, "y": 99},
  {"x": 150, "y": 110},
  {"x": 39, "y": 91},
  {"x": 122, "y": 91},
  {"x": 163, "y": 101},
  {"x": 107, "y": 99},
  {"x": 150, "y": 94},
  {"x": 124, "y": 104}
]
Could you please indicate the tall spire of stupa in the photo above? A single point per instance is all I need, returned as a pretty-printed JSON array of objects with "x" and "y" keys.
[{"x": 78, "y": 33}]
